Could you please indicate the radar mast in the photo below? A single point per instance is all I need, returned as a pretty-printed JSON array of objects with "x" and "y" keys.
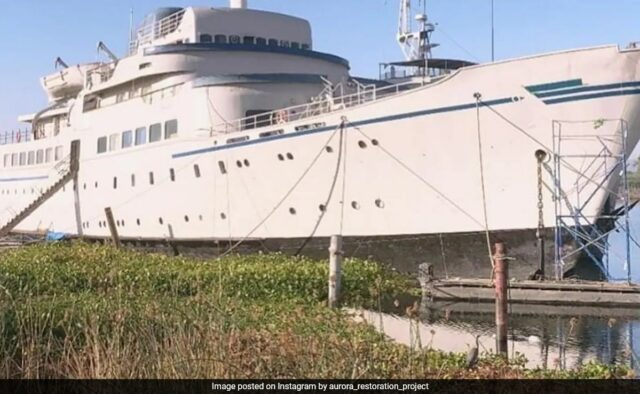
[{"x": 415, "y": 44}]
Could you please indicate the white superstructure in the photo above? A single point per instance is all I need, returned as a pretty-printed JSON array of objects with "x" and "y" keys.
[{"x": 226, "y": 124}]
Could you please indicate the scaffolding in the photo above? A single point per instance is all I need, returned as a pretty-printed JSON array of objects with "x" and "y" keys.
[{"x": 590, "y": 172}]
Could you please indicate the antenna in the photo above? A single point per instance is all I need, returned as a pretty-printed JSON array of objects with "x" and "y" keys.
[
  {"x": 493, "y": 33},
  {"x": 130, "y": 27}
]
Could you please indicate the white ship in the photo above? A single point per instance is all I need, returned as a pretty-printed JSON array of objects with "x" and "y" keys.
[{"x": 225, "y": 127}]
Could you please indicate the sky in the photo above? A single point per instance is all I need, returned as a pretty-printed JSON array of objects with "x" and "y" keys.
[{"x": 33, "y": 33}]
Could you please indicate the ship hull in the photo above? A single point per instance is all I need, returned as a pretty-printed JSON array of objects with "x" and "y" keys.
[{"x": 453, "y": 157}]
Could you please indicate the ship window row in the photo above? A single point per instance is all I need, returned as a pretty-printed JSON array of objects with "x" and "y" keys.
[
  {"x": 140, "y": 136},
  {"x": 251, "y": 40},
  {"x": 33, "y": 157}
]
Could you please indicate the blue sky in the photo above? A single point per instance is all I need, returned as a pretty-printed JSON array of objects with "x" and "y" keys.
[{"x": 34, "y": 32}]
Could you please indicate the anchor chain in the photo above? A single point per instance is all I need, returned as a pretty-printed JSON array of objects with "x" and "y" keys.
[{"x": 539, "y": 274}]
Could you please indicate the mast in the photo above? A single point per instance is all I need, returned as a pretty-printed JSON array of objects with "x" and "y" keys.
[{"x": 416, "y": 45}]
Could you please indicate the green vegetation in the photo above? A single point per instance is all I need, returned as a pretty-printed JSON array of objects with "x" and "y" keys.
[{"x": 87, "y": 311}]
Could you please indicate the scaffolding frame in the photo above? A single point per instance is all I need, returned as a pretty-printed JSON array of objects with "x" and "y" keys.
[{"x": 599, "y": 168}]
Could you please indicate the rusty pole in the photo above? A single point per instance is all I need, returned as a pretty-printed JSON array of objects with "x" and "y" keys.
[{"x": 501, "y": 284}]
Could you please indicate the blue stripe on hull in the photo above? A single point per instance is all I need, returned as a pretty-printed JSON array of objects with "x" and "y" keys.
[{"x": 383, "y": 119}]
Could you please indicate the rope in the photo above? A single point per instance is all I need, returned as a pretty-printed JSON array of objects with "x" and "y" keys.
[
  {"x": 279, "y": 204},
  {"x": 568, "y": 165},
  {"x": 484, "y": 192},
  {"x": 331, "y": 190},
  {"x": 344, "y": 178},
  {"x": 424, "y": 181}
]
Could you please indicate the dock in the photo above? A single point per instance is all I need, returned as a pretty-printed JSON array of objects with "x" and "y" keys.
[{"x": 578, "y": 293}]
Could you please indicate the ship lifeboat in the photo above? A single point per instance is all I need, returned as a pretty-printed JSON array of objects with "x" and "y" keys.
[{"x": 66, "y": 83}]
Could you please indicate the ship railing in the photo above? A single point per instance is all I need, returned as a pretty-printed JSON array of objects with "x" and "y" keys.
[
  {"x": 161, "y": 28},
  {"x": 317, "y": 106},
  {"x": 15, "y": 137}
]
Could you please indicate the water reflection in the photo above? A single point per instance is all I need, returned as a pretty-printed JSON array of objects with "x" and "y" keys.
[{"x": 550, "y": 337}]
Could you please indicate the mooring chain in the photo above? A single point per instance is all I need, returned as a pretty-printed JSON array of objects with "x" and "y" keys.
[{"x": 540, "y": 231}]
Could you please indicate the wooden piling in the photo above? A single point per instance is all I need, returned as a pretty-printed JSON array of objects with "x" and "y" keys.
[
  {"x": 501, "y": 282},
  {"x": 112, "y": 227},
  {"x": 335, "y": 269}
]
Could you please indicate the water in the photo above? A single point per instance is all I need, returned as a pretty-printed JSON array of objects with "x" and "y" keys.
[{"x": 551, "y": 337}]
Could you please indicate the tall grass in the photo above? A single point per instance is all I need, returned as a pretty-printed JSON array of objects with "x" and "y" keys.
[{"x": 86, "y": 311}]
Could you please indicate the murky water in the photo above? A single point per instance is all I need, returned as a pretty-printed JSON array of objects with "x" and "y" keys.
[{"x": 551, "y": 337}]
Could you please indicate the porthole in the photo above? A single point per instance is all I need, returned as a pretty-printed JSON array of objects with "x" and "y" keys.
[
  {"x": 161, "y": 221},
  {"x": 115, "y": 182},
  {"x": 138, "y": 222},
  {"x": 200, "y": 217},
  {"x": 329, "y": 149},
  {"x": 280, "y": 157},
  {"x": 292, "y": 211},
  {"x": 122, "y": 222},
  {"x": 223, "y": 216},
  {"x": 246, "y": 163},
  {"x": 186, "y": 218},
  {"x": 96, "y": 185},
  {"x": 84, "y": 186},
  {"x": 196, "y": 170},
  {"x": 375, "y": 142},
  {"x": 289, "y": 156},
  {"x": 362, "y": 144},
  {"x": 239, "y": 164},
  {"x": 323, "y": 208},
  {"x": 379, "y": 203},
  {"x": 355, "y": 205}
]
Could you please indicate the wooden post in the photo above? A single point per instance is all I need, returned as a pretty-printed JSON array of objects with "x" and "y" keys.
[
  {"x": 335, "y": 269},
  {"x": 112, "y": 227},
  {"x": 501, "y": 284}
]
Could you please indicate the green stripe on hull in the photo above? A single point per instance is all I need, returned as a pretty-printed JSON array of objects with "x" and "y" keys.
[{"x": 572, "y": 83}]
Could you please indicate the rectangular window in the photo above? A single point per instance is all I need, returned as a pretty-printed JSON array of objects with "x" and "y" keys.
[
  {"x": 102, "y": 147},
  {"x": 133, "y": 180},
  {"x": 48, "y": 155},
  {"x": 39, "y": 156},
  {"x": 113, "y": 142},
  {"x": 7, "y": 160},
  {"x": 155, "y": 132},
  {"x": 284, "y": 43},
  {"x": 58, "y": 153},
  {"x": 261, "y": 41},
  {"x": 141, "y": 136},
  {"x": 115, "y": 182},
  {"x": 172, "y": 175},
  {"x": 151, "y": 180},
  {"x": 295, "y": 45},
  {"x": 170, "y": 129},
  {"x": 205, "y": 38},
  {"x": 23, "y": 158},
  {"x": 223, "y": 168},
  {"x": 249, "y": 40},
  {"x": 196, "y": 170},
  {"x": 273, "y": 42},
  {"x": 14, "y": 160},
  {"x": 31, "y": 158},
  {"x": 127, "y": 139},
  {"x": 221, "y": 39}
]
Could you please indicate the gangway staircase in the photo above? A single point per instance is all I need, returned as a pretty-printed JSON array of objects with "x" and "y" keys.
[{"x": 67, "y": 175}]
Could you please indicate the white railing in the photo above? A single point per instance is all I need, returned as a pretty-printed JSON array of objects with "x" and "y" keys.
[
  {"x": 149, "y": 32},
  {"x": 15, "y": 137},
  {"x": 318, "y": 106}
]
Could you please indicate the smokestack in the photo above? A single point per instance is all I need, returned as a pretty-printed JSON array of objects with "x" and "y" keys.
[{"x": 238, "y": 4}]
